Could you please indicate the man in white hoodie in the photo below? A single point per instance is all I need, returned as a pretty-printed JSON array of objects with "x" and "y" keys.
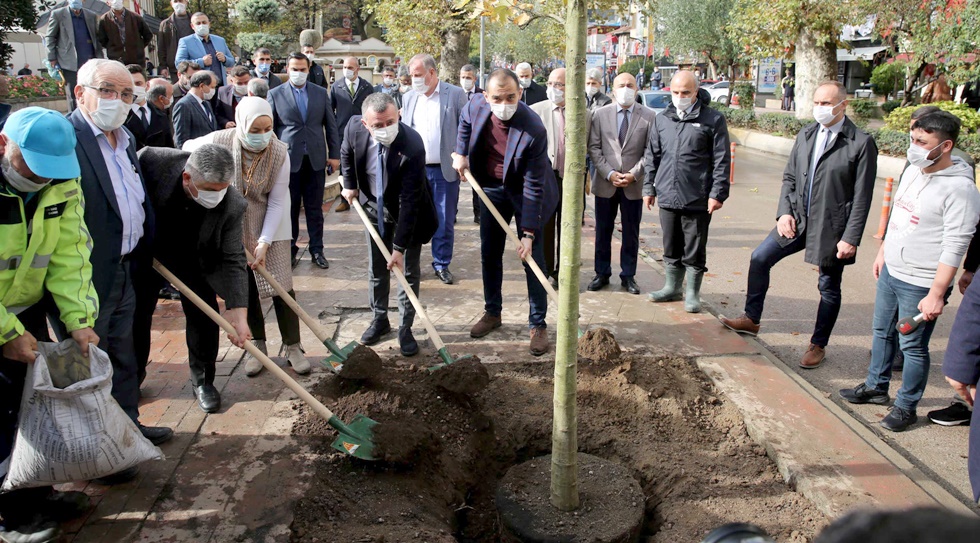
[{"x": 932, "y": 222}]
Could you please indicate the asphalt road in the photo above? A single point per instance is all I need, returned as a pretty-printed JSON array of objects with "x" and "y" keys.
[{"x": 791, "y": 305}]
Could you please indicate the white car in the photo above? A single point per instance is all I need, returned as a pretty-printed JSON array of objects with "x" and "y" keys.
[{"x": 719, "y": 92}]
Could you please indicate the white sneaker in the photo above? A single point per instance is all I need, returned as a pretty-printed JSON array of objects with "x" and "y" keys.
[
  {"x": 253, "y": 366},
  {"x": 294, "y": 353}
]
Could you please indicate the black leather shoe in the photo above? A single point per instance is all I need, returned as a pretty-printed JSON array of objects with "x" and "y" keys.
[
  {"x": 169, "y": 293},
  {"x": 295, "y": 259},
  {"x": 376, "y": 331},
  {"x": 119, "y": 477},
  {"x": 598, "y": 282},
  {"x": 320, "y": 261},
  {"x": 554, "y": 281},
  {"x": 208, "y": 398},
  {"x": 157, "y": 434},
  {"x": 445, "y": 276},
  {"x": 407, "y": 343},
  {"x": 630, "y": 285}
]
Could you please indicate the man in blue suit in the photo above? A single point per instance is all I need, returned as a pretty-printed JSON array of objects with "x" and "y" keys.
[
  {"x": 207, "y": 50},
  {"x": 120, "y": 220},
  {"x": 193, "y": 115},
  {"x": 508, "y": 146},
  {"x": 303, "y": 120},
  {"x": 432, "y": 108}
]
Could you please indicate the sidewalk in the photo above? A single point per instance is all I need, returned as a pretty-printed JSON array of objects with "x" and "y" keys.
[{"x": 235, "y": 475}]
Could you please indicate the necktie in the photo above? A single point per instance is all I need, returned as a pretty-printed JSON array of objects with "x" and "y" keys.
[
  {"x": 301, "y": 103},
  {"x": 560, "y": 148},
  {"x": 143, "y": 117},
  {"x": 350, "y": 89},
  {"x": 208, "y": 113},
  {"x": 379, "y": 190},
  {"x": 624, "y": 126}
]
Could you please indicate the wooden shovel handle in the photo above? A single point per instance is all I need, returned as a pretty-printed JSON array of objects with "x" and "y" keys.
[{"x": 290, "y": 301}]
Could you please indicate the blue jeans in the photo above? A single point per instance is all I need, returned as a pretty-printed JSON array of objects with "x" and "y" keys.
[
  {"x": 896, "y": 300},
  {"x": 494, "y": 241},
  {"x": 767, "y": 255},
  {"x": 446, "y": 197}
]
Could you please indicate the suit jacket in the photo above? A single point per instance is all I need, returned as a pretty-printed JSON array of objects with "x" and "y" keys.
[
  {"x": 452, "y": 99},
  {"x": 224, "y": 106},
  {"x": 167, "y": 39},
  {"x": 395, "y": 94},
  {"x": 318, "y": 131},
  {"x": 527, "y": 171},
  {"x": 407, "y": 197},
  {"x": 102, "y": 211},
  {"x": 597, "y": 101},
  {"x": 161, "y": 132},
  {"x": 221, "y": 255},
  {"x": 138, "y": 36},
  {"x": 534, "y": 94},
  {"x": 608, "y": 155},
  {"x": 476, "y": 90},
  {"x": 273, "y": 79},
  {"x": 60, "y": 38},
  {"x": 192, "y": 48},
  {"x": 546, "y": 110},
  {"x": 190, "y": 121},
  {"x": 343, "y": 104}
]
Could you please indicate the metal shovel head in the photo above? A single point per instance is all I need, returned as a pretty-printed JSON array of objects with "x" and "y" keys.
[
  {"x": 335, "y": 362},
  {"x": 447, "y": 359},
  {"x": 356, "y": 441}
]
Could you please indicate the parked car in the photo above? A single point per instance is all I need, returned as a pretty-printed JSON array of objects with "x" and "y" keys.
[
  {"x": 719, "y": 92},
  {"x": 657, "y": 100},
  {"x": 708, "y": 82}
]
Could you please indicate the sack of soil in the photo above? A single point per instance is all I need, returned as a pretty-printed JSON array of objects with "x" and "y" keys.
[{"x": 70, "y": 428}]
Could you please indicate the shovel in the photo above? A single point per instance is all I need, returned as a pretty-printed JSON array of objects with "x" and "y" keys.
[
  {"x": 338, "y": 355},
  {"x": 355, "y": 438},
  {"x": 513, "y": 237},
  {"x": 433, "y": 335}
]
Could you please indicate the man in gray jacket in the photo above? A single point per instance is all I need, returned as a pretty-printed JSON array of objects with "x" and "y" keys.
[
  {"x": 823, "y": 207},
  {"x": 688, "y": 165},
  {"x": 929, "y": 230},
  {"x": 71, "y": 41}
]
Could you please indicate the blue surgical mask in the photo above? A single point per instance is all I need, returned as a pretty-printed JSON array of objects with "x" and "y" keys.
[
  {"x": 263, "y": 67},
  {"x": 257, "y": 142}
]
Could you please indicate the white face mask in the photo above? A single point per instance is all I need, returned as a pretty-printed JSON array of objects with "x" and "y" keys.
[
  {"x": 179, "y": 8},
  {"x": 625, "y": 96},
  {"x": 18, "y": 181},
  {"x": 525, "y": 82},
  {"x": 209, "y": 95},
  {"x": 404, "y": 88},
  {"x": 467, "y": 84},
  {"x": 298, "y": 79},
  {"x": 919, "y": 157},
  {"x": 109, "y": 114},
  {"x": 388, "y": 81},
  {"x": 310, "y": 57},
  {"x": 824, "y": 114},
  {"x": 170, "y": 102},
  {"x": 384, "y": 136},
  {"x": 209, "y": 199},
  {"x": 555, "y": 95},
  {"x": 591, "y": 91},
  {"x": 202, "y": 30},
  {"x": 349, "y": 74},
  {"x": 418, "y": 85},
  {"x": 256, "y": 142},
  {"x": 503, "y": 111},
  {"x": 116, "y": 5},
  {"x": 681, "y": 104},
  {"x": 140, "y": 94},
  {"x": 241, "y": 90}
]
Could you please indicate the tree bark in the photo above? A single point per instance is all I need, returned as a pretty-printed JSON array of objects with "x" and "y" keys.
[
  {"x": 910, "y": 85},
  {"x": 455, "y": 53},
  {"x": 564, "y": 434},
  {"x": 816, "y": 62}
]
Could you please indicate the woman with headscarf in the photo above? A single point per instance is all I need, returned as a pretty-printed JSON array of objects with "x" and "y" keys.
[{"x": 263, "y": 178}]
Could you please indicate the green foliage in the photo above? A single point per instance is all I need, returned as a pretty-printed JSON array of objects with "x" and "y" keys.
[
  {"x": 699, "y": 26},
  {"x": 891, "y": 142},
  {"x": 509, "y": 41},
  {"x": 250, "y": 41},
  {"x": 258, "y": 12},
  {"x": 890, "y": 105},
  {"x": 633, "y": 67},
  {"x": 417, "y": 26},
  {"x": 771, "y": 28},
  {"x": 780, "y": 124},
  {"x": 33, "y": 86},
  {"x": 738, "y": 118},
  {"x": 217, "y": 11},
  {"x": 746, "y": 94},
  {"x": 887, "y": 78},
  {"x": 864, "y": 108},
  {"x": 971, "y": 144},
  {"x": 17, "y": 14},
  {"x": 899, "y": 119}
]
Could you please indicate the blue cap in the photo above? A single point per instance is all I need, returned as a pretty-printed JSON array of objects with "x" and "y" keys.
[{"x": 46, "y": 140}]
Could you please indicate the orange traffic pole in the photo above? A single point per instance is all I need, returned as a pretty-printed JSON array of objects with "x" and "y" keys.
[
  {"x": 886, "y": 206},
  {"x": 731, "y": 177}
]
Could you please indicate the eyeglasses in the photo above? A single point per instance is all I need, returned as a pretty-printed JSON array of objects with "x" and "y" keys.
[{"x": 111, "y": 94}]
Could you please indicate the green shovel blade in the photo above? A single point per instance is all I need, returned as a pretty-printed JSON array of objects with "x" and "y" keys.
[
  {"x": 355, "y": 438},
  {"x": 447, "y": 359},
  {"x": 335, "y": 362}
]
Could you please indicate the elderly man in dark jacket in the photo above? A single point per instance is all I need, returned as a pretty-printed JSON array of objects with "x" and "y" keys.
[
  {"x": 688, "y": 166},
  {"x": 823, "y": 207},
  {"x": 199, "y": 238}
]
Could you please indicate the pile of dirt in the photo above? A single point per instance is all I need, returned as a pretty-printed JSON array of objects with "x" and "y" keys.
[
  {"x": 657, "y": 416},
  {"x": 361, "y": 363},
  {"x": 468, "y": 376},
  {"x": 599, "y": 345}
]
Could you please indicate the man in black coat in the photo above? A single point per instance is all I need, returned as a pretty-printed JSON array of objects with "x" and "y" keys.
[
  {"x": 160, "y": 96},
  {"x": 200, "y": 218},
  {"x": 823, "y": 207},
  {"x": 532, "y": 92},
  {"x": 688, "y": 164},
  {"x": 348, "y": 93},
  {"x": 317, "y": 75},
  {"x": 377, "y": 143},
  {"x": 228, "y": 96}
]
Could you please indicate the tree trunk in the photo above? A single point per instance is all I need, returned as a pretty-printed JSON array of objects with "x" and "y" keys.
[
  {"x": 815, "y": 63},
  {"x": 455, "y": 53},
  {"x": 910, "y": 85},
  {"x": 564, "y": 434}
]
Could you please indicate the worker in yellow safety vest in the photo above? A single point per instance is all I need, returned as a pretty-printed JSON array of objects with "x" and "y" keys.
[{"x": 44, "y": 248}]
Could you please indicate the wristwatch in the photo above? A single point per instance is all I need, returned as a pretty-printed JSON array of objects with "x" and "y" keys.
[{"x": 529, "y": 235}]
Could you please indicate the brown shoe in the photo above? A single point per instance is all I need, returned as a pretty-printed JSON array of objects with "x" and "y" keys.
[
  {"x": 485, "y": 325},
  {"x": 742, "y": 324},
  {"x": 813, "y": 358},
  {"x": 342, "y": 206},
  {"x": 539, "y": 341}
]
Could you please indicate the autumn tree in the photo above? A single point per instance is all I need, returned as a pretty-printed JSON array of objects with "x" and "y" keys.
[
  {"x": 436, "y": 27},
  {"x": 700, "y": 28}
]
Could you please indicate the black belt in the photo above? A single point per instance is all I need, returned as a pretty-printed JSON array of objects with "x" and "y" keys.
[{"x": 436, "y": 165}]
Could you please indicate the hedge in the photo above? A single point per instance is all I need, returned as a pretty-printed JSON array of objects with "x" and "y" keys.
[{"x": 899, "y": 119}]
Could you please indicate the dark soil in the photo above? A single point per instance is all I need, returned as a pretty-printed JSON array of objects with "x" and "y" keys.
[
  {"x": 657, "y": 416},
  {"x": 468, "y": 376},
  {"x": 599, "y": 345},
  {"x": 403, "y": 441},
  {"x": 361, "y": 363}
]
